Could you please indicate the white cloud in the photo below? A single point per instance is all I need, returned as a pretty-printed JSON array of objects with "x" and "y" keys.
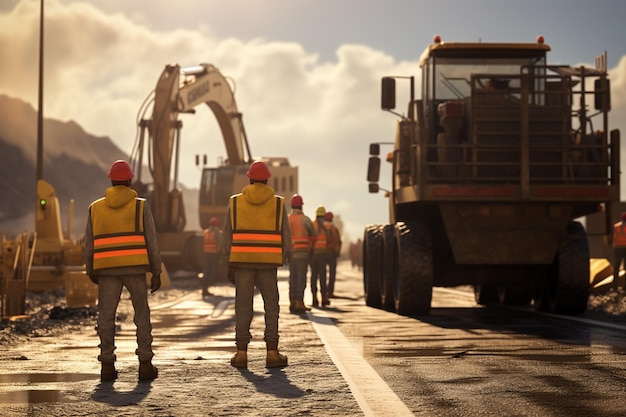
[{"x": 322, "y": 115}]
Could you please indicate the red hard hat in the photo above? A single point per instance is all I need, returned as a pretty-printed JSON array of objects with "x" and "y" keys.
[
  {"x": 296, "y": 201},
  {"x": 121, "y": 171},
  {"x": 258, "y": 171},
  {"x": 213, "y": 221},
  {"x": 328, "y": 215}
]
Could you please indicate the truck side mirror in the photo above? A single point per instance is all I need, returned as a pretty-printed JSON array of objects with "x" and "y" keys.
[
  {"x": 602, "y": 94},
  {"x": 373, "y": 187},
  {"x": 388, "y": 94},
  {"x": 373, "y": 169}
]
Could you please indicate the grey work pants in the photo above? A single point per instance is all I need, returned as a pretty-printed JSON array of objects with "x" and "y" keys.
[
  {"x": 266, "y": 279},
  {"x": 298, "y": 267},
  {"x": 319, "y": 263},
  {"x": 109, "y": 292},
  {"x": 332, "y": 272}
]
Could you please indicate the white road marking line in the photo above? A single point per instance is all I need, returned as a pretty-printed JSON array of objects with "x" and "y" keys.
[{"x": 370, "y": 391}]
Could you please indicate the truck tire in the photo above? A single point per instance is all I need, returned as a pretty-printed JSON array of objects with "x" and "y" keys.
[
  {"x": 413, "y": 288},
  {"x": 486, "y": 294},
  {"x": 567, "y": 287},
  {"x": 372, "y": 265},
  {"x": 389, "y": 265}
]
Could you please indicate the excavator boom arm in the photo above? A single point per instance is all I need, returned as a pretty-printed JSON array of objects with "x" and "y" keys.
[{"x": 180, "y": 90}]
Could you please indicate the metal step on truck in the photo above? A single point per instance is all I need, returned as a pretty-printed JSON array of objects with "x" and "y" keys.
[{"x": 492, "y": 170}]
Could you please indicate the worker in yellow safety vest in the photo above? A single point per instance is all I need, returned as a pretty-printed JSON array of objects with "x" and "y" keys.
[
  {"x": 256, "y": 241},
  {"x": 120, "y": 247},
  {"x": 619, "y": 250}
]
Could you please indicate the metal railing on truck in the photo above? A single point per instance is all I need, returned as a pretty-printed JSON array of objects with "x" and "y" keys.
[{"x": 522, "y": 132}]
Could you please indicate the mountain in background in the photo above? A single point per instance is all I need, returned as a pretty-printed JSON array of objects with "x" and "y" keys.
[{"x": 75, "y": 163}]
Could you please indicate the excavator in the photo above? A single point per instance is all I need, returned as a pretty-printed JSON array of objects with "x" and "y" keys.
[{"x": 179, "y": 90}]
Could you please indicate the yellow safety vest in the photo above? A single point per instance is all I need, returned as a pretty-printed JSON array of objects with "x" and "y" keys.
[
  {"x": 257, "y": 231},
  {"x": 118, "y": 235}
]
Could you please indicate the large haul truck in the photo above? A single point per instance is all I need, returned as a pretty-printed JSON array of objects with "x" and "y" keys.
[{"x": 491, "y": 171}]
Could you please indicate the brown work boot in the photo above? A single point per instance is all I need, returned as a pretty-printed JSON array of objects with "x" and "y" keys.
[
  {"x": 299, "y": 307},
  {"x": 275, "y": 359},
  {"x": 240, "y": 359},
  {"x": 325, "y": 301},
  {"x": 292, "y": 306},
  {"x": 108, "y": 372},
  {"x": 315, "y": 302},
  {"x": 147, "y": 371}
]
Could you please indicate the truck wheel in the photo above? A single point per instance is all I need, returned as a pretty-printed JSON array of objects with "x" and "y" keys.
[
  {"x": 389, "y": 266},
  {"x": 413, "y": 289},
  {"x": 372, "y": 265},
  {"x": 486, "y": 294},
  {"x": 568, "y": 284}
]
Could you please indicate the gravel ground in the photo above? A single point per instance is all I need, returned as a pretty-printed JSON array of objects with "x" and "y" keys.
[{"x": 48, "y": 314}]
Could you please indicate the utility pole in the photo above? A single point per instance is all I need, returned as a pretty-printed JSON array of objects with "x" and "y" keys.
[{"x": 40, "y": 110}]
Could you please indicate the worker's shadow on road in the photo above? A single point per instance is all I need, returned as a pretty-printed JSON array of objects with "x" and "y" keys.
[
  {"x": 276, "y": 383},
  {"x": 105, "y": 392}
]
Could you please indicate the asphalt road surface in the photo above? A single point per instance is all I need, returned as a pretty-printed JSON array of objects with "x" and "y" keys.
[{"x": 345, "y": 360}]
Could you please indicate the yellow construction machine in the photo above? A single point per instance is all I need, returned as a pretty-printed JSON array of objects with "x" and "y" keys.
[{"x": 180, "y": 90}]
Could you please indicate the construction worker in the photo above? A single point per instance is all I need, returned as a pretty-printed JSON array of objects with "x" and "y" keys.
[
  {"x": 212, "y": 249},
  {"x": 619, "y": 249},
  {"x": 320, "y": 258},
  {"x": 303, "y": 237},
  {"x": 256, "y": 240},
  {"x": 120, "y": 247},
  {"x": 334, "y": 250}
]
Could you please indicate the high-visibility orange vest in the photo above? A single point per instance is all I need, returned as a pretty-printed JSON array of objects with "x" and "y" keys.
[
  {"x": 210, "y": 240},
  {"x": 257, "y": 231},
  {"x": 299, "y": 235},
  {"x": 619, "y": 235},
  {"x": 321, "y": 244},
  {"x": 335, "y": 244},
  {"x": 118, "y": 235}
]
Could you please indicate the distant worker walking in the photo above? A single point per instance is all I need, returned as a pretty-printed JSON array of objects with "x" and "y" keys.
[
  {"x": 619, "y": 250},
  {"x": 303, "y": 236},
  {"x": 212, "y": 249},
  {"x": 120, "y": 247},
  {"x": 257, "y": 240},
  {"x": 334, "y": 250},
  {"x": 319, "y": 258}
]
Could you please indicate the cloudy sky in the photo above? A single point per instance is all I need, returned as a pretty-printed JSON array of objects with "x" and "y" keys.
[{"x": 307, "y": 72}]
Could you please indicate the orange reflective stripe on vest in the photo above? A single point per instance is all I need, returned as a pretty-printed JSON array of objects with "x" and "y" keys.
[{"x": 257, "y": 242}]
